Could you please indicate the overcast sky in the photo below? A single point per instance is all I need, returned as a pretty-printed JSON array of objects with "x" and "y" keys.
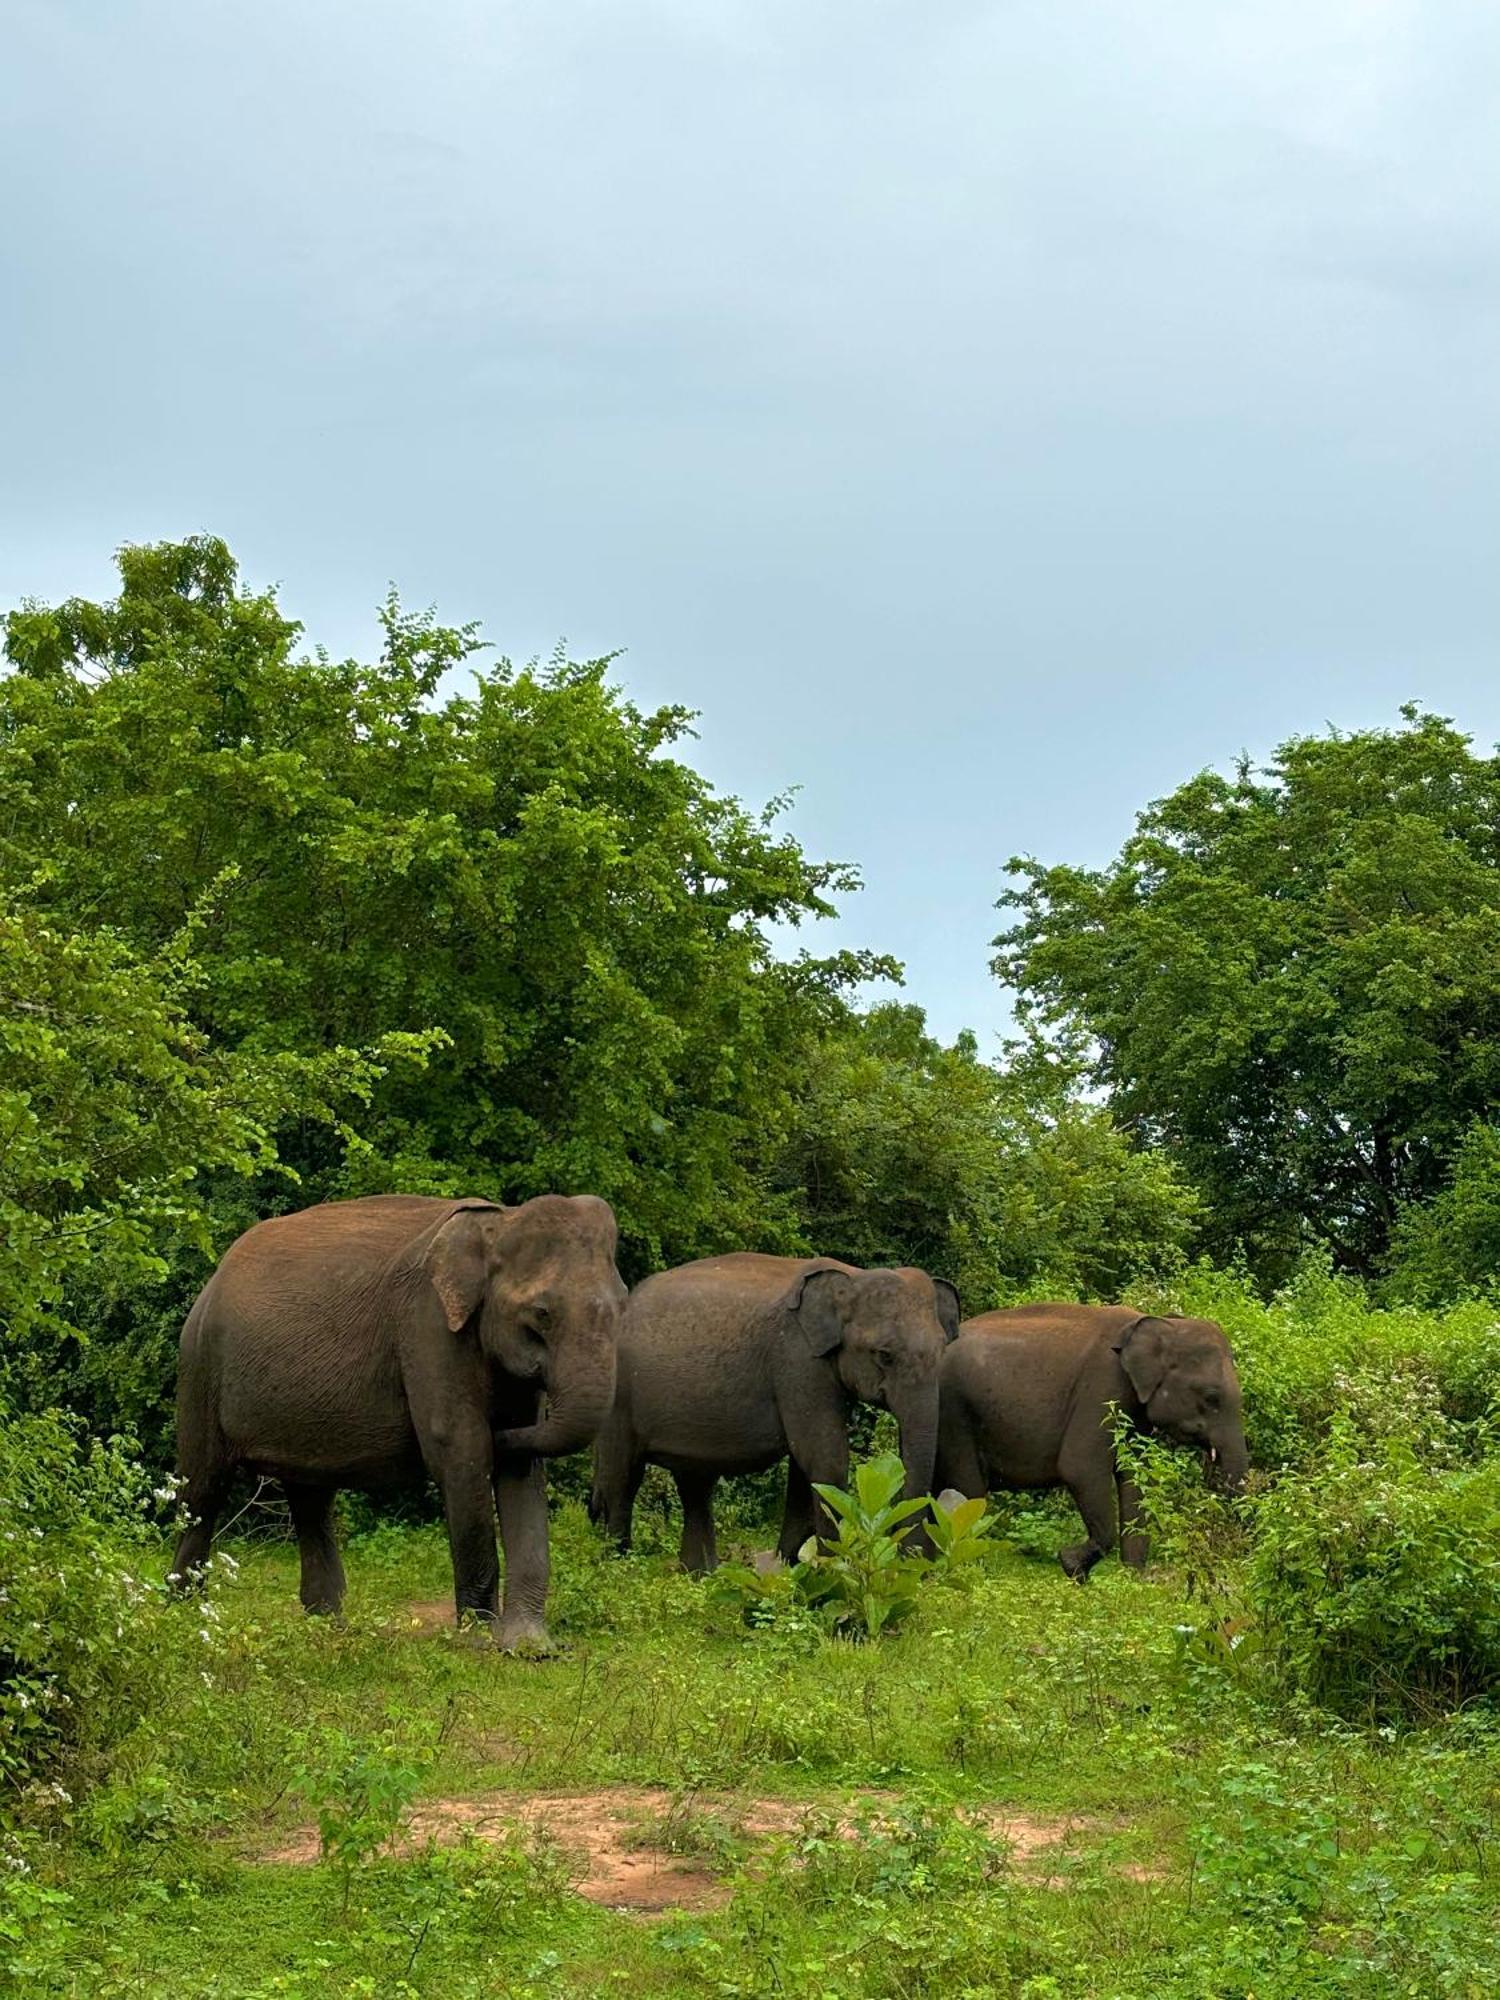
[{"x": 986, "y": 415}]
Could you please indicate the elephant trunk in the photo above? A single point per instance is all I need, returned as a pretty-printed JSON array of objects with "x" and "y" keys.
[
  {"x": 579, "y": 1397},
  {"x": 917, "y": 1418},
  {"x": 1228, "y": 1462}
]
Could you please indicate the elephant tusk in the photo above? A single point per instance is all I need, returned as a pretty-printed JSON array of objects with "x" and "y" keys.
[{"x": 1213, "y": 1454}]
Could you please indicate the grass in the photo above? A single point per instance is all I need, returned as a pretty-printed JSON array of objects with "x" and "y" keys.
[{"x": 1216, "y": 1843}]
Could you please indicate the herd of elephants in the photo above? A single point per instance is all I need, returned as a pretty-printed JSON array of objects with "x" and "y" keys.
[{"x": 355, "y": 1343}]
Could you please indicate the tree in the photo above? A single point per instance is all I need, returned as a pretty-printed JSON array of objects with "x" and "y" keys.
[
  {"x": 998, "y": 1178},
  {"x": 1450, "y": 1245},
  {"x": 117, "y": 1121},
  {"x": 524, "y": 866},
  {"x": 1289, "y": 980}
]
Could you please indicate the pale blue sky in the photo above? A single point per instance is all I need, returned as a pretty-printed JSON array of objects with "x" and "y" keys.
[{"x": 985, "y": 414}]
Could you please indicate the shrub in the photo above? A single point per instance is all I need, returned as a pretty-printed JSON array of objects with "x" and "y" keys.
[
  {"x": 85, "y": 1638},
  {"x": 864, "y": 1578},
  {"x": 1376, "y": 1580},
  {"x": 1320, "y": 1351}
]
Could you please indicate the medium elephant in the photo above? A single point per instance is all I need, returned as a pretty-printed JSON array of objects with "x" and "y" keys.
[
  {"x": 732, "y": 1363},
  {"x": 353, "y": 1343},
  {"x": 1025, "y": 1403}
]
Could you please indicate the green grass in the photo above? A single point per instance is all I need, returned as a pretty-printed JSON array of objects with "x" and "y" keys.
[{"x": 1224, "y": 1845}]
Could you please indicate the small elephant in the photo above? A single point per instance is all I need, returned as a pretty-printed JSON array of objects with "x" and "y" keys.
[
  {"x": 732, "y": 1363},
  {"x": 350, "y": 1344},
  {"x": 1026, "y": 1396}
]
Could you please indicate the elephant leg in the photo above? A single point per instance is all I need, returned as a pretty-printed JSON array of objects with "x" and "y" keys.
[
  {"x": 1132, "y": 1539},
  {"x": 797, "y": 1516},
  {"x": 1090, "y": 1478},
  {"x": 958, "y": 1465},
  {"x": 521, "y": 1501},
  {"x": 322, "y": 1571},
  {"x": 1093, "y": 1493},
  {"x": 469, "y": 1510},
  {"x": 459, "y": 1453},
  {"x": 818, "y": 1441},
  {"x": 699, "y": 1549},
  {"x": 203, "y": 1497},
  {"x": 618, "y": 1473}
]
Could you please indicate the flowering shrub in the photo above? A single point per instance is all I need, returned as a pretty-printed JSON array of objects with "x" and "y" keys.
[
  {"x": 84, "y": 1626},
  {"x": 1375, "y": 1579}
]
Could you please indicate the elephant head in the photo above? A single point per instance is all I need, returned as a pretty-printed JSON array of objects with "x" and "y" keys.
[
  {"x": 540, "y": 1285},
  {"x": 1183, "y": 1374},
  {"x": 884, "y": 1332}
]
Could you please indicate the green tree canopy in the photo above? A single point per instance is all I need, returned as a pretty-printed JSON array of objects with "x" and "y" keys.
[
  {"x": 523, "y": 864},
  {"x": 117, "y": 1119},
  {"x": 1289, "y": 979},
  {"x": 1000, "y": 1179}
]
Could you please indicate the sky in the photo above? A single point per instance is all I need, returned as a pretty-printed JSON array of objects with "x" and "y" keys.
[{"x": 985, "y": 415}]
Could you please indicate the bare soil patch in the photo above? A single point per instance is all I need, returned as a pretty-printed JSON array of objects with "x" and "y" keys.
[{"x": 649, "y": 1850}]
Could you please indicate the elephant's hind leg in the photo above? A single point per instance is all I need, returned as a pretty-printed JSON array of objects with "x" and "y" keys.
[
  {"x": 322, "y": 1571},
  {"x": 699, "y": 1549},
  {"x": 1133, "y": 1545},
  {"x": 203, "y": 1495}
]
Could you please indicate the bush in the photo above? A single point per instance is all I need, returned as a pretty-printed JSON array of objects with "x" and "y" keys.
[
  {"x": 1376, "y": 1581},
  {"x": 85, "y": 1639},
  {"x": 1319, "y": 1351}
]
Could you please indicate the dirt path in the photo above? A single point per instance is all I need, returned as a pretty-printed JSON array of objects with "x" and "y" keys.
[{"x": 647, "y": 1849}]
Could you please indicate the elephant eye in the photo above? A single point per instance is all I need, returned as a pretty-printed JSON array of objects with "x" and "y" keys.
[{"x": 885, "y": 1357}]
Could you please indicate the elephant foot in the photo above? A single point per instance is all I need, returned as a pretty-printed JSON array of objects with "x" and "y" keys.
[
  {"x": 1078, "y": 1561},
  {"x": 525, "y": 1636}
]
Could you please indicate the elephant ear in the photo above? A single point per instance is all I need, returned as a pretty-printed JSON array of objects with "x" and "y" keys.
[
  {"x": 818, "y": 1303},
  {"x": 1145, "y": 1355},
  {"x": 458, "y": 1260},
  {"x": 949, "y": 1311}
]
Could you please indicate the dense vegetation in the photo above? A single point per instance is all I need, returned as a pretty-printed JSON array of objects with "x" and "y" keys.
[{"x": 275, "y": 928}]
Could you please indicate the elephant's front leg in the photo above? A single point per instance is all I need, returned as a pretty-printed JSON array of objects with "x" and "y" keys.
[
  {"x": 797, "y": 1516},
  {"x": 521, "y": 1501},
  {"x": 1089, "y": 1475},
  {"x": 817, "y": 1432}
]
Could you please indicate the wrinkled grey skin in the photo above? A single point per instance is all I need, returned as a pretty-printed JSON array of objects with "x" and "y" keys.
[
  {"x": 732, "y": 1363},
  {"x": 353, "y": 1343},
  {"x": 1026, "y": 1393}
]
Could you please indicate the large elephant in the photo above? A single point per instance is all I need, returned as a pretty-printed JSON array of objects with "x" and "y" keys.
[
  {"x": 1025, "y": 1403},
  {"x": 350, "y": 1344},
  {"x": 732, "y": 1363}
]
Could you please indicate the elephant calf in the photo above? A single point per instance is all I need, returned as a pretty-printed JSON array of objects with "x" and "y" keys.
[
  {"x": 1026, "y": 1396},
  {"x": 350, "y": 1344},
  {"x": 732, "y": 1363}
]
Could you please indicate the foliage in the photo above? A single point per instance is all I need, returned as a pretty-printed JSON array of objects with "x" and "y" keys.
[
  {"x": 117, "y": 1117},
  {"x": 360, "y": 1791},
  {"x": 524, "y": 865},
  {"x": 962, "y": 1532},
  {"x": 865, "y": 1577},
  {"x": 904, "y": 1151},
  {"x": 862, "y": 1573},
  {"x": 1376, "y": 1580},
  {"x": 1450, "y": 1245},
  {"x": 87, "y": 1638},
  {"x": 1319, "y": 1350},
  {"x": 1290, "y": 979}
]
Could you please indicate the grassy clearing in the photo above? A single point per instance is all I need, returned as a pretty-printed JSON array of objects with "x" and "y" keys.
[{"x": 1134, "y": 1819}]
